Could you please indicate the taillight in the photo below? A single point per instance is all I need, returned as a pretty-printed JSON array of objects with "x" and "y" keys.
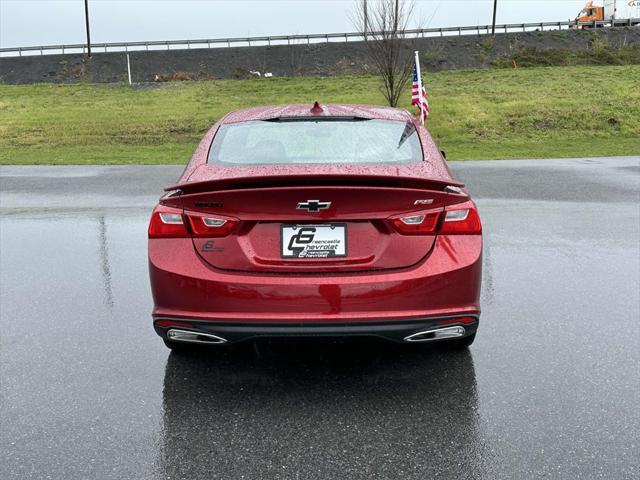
[
  {"x": 416, "y": 224},
  {"x": 167, "y": 222},
  {"x": 206, "y": 225},
  {"x": 461, "y": 219}
]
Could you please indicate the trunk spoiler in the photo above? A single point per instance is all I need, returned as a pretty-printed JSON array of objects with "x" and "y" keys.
[{"x": 301, "y": 180}]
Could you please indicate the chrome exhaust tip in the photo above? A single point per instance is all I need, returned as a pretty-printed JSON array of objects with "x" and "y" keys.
[
  {"x": 194, "y": 337},
  {"x": 436, "y": 334}
]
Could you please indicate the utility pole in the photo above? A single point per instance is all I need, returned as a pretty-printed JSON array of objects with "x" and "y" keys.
[
  {"x": 86, "y": 20},
  {"x": 493, "y": 25},
  {"x": 366, "y": 20},
  {"x": 395, "y": 20}
]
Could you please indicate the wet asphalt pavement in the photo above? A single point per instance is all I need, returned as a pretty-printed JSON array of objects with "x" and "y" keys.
[{"x": 550, "y": 389}]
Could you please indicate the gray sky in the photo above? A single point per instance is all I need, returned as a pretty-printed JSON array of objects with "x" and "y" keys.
[{"x": 45, "y": 22}]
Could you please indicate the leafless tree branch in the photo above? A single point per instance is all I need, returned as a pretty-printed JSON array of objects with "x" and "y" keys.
[{"x": 391, "y": 56}]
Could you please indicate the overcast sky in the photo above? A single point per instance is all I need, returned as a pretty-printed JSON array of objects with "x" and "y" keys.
[{"x": 46, "y": 22}]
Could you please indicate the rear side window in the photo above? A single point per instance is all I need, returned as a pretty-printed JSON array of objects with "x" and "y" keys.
[{"x": 295, "y": 141}]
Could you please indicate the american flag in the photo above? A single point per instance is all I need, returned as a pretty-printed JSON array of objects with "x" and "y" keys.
[{"x": 418, "y": 93}]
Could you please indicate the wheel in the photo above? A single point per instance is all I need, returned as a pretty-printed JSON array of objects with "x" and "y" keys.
[{"x": 460, "y": 343}]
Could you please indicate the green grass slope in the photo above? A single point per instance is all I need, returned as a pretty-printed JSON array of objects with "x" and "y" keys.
[{"x": 488, "y": 114}]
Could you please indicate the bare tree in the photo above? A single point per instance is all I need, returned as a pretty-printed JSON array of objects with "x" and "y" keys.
[
  {"x": 297, "y": 57},
  {"x": 389, "y": 53}
]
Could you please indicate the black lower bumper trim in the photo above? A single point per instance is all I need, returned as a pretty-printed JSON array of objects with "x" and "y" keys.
[{"x": 390, "y": 330}]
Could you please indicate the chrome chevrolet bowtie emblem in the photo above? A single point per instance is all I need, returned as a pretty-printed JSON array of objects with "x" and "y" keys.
[{"x": 313, "y": 205}]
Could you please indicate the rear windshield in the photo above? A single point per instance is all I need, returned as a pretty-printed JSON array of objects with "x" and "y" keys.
[{"x": 316, "y": 141}]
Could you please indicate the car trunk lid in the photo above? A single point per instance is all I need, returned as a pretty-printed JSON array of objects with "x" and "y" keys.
[{"x": 353, "y": 210}]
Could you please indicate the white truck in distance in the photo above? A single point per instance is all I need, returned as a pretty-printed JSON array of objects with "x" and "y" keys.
[{"x": 623, "y": 12}]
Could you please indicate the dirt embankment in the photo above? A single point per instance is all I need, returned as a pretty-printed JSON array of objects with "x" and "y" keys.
[{"x": 604, "y": 46}]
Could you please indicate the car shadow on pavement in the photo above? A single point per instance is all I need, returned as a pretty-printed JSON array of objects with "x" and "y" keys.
[{"x": 313, "y": 408}]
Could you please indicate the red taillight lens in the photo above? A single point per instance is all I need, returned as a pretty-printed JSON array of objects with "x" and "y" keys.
[
  {"x": 416, "y": 224},
  {"x": 206, "y": 225},
  {"x": 167, "y": 222},
  {"x": 462, "y": 219}
]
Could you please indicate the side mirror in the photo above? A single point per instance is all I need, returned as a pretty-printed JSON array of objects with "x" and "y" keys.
[{"x": 444, "y": 155}]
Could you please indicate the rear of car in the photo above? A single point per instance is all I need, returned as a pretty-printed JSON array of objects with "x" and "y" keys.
[{"x": 324, "y": 221}]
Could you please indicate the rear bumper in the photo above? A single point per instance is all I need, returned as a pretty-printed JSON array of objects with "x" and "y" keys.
[
  {"x": 446, "y": 283},
  {"x": 397, "y": 331}
]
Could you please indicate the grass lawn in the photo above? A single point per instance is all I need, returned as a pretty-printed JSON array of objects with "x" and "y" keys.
[{"x": 485, "y": 114}]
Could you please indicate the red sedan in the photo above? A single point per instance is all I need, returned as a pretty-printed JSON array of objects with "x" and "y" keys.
[{"x": 300, "y": 220}]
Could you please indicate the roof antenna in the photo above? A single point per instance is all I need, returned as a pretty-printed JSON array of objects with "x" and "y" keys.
[{"x": 317, "y": 109}]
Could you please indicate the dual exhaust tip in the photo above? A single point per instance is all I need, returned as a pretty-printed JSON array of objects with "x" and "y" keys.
[
  {"x": 436, "y": 334},
  {"x": 186, "y": 336}
]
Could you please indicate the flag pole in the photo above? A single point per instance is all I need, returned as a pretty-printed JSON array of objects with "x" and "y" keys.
[{"x": 419, "y": 74}]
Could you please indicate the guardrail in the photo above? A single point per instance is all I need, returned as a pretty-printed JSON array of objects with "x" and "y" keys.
[{"x": 302, "y": 39}]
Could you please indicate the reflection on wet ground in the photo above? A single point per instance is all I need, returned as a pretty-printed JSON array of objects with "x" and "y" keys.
[{"x": 354, "y": 409}]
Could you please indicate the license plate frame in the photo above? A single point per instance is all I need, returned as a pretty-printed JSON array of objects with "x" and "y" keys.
[{"x": 310, "y": 240}]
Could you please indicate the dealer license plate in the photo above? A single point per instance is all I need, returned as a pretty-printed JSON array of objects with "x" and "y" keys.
[{"x": 313, "y": 241}]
